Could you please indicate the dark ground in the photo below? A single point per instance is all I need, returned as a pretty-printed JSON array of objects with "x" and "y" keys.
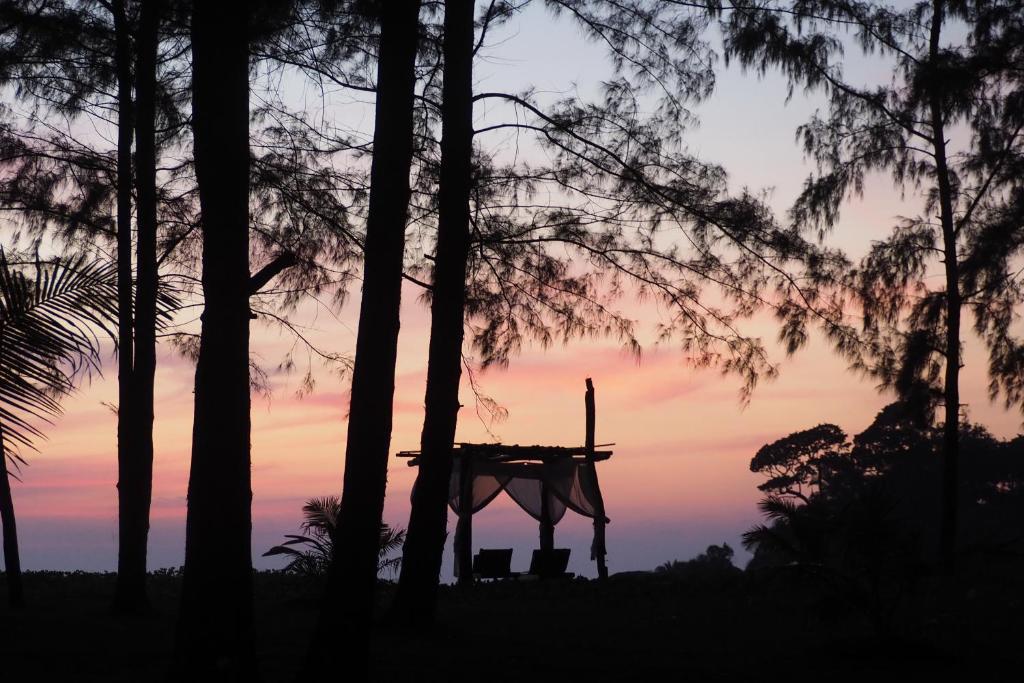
[{"x": 742, "y": 627}]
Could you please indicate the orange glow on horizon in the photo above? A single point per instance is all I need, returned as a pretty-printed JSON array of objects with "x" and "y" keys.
[{"x": 678, "y": 481}]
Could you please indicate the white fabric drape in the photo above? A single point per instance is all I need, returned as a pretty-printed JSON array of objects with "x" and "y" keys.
[
  {"x": 570, "y": 484},
  {"x": 486, "y": 488},
  {"x": 528, "y": 494}
]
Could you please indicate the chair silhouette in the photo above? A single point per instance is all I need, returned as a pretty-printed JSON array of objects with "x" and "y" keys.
[
  {"x": 493, "y": 563},
  {"x": 548, "y": 564}
]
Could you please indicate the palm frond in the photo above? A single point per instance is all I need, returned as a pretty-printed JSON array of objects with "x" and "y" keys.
[
  {"x": 391, "y": 539},
  {"x": 769, "y": 538},
  {"x": 778, "y": 508},
  {"x": 168, "y": 302},
  {"x": 320, "y": 518},
  {"x": 321, "y": 515},
  {"x": 51, "y": 320}
]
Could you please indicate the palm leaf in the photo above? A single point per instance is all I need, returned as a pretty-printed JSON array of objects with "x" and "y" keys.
[
  {"x": 51, "y": 321},
  {"x": 283, "y": 550},
  {"x": 168, "y": 302},
  {"x": 320, "y": 517},
  {"x": 391, "y": 539}
]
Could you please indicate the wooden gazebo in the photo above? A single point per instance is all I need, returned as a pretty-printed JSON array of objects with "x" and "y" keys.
[{"x": 544, "y": 481}]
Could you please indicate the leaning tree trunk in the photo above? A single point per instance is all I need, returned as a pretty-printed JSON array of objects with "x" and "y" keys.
[
  {"x": 136, "y": 482},
  {"x": 954, "y": 303},
  {"x": 126, "y": 403},
  {"x": 341, "y": 640},
  {"x": 424, "y": 543},
  {"x": 12, "y": 559},
  {"x": 214, "y": 636}
]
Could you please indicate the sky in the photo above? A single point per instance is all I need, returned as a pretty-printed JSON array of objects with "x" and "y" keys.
[{"x": 679, "y": 479}]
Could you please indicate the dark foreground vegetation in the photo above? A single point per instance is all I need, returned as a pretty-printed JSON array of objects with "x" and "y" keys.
[{"x": 717, "y": 625}]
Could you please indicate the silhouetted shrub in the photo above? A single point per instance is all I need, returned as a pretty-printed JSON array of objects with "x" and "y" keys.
[
  {"x": 715, "y": 563},
  {"x": 311, "y": 551}
]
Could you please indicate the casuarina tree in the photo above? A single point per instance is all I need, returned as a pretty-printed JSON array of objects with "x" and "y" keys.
[
  {"x": 96, "y": 63},
  {"x": 214, "y": 632},
  {"x": 341, "y": 639},
  {"x": 621, "y": 196},
  {"x": 947, "y": 128},
  {"x": 426, "y": 534},
  {"x": 136, "y": 67}
]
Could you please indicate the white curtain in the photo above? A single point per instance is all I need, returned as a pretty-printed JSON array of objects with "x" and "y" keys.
[
  {"x": 528, "y": 494},
  {"x": 570, "y": 485},
  {"x": 486, "y": 488}
]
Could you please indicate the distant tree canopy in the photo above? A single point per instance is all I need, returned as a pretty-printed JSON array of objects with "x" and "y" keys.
[
  {"x": 796, "y": 463},
  {"x": 856, "y": 517},
  {"x": 714, "y": 563},
  {"x": 819, "y": 480}
]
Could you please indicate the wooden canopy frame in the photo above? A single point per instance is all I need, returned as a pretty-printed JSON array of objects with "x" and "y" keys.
[{"x": 469, "y": 456}]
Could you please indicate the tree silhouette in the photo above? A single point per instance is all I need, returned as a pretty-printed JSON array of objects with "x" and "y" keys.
[
  {"x": 799, "y": 465},
  {"x": 214, "y": 632},
  {"x": 428, "y": 519},
  {"x": 81, "y": 62},
  {"x": 713, "y": 564},
  {"x": 50, "y": 315},
  {"x": 858, "y": 515},
  {"x": 848, "y": 536},
  {"x": 956, "y": 66},
  {"x": 137, "y": 120},
  {"x": 342, "y": 631},
  {"x": 617, "y": 185}
]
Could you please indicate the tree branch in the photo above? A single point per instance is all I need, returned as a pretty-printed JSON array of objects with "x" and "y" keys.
[{"x": 267, "y": 273}]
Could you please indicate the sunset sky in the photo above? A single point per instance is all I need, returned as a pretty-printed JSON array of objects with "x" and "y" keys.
[{"x": 679, "y": 479}]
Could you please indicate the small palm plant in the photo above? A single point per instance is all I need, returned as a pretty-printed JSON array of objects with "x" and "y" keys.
[
  {"x": 51, "y": 313},
  {"x": 858, "y": 549},
  {"x": 311, "y": 551}
]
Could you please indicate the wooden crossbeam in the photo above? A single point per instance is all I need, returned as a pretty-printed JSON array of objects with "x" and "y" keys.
[{"x": 514, "y": 453}]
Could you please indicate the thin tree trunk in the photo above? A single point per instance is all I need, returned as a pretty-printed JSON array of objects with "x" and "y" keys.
[
  {"x": 214, "y": 637},
  {"x": 126, "y": 403},
  {"x": 137, "y": 489},
  {"x": 951, "y": 390},
  {"x": 341, "y": 641},
  {"x": 424, "y": 544},
  {"x": 12, "y": 559}
]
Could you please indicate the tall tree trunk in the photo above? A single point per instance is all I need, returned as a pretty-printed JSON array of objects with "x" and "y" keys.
[
  {"x": 136, "y": 486},
  {"x": 214, "y": 637},
  {"x": 341, "y": 640},
  {"x": 424, "y": 544},
  {"x": 12, "y": 559},
  {"x": 126, "y": 403},
  {"x": 954, "y": 303}
]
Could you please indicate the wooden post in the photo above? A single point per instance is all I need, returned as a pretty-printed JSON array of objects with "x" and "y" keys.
[
  {"x": 547, "y": 529},
  {"x": 464, "y": 530},
  {"x": 597, "y": 550}
]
